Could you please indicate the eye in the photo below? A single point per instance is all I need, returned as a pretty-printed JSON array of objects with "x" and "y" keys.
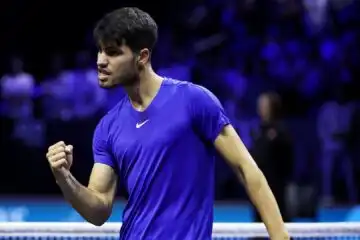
[{"x": 112, "y": 51}]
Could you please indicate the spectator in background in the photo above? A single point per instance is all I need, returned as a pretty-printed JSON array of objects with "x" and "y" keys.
[
  {"x": 17, "y": 91},
  {"x": 26, "y": 133},
  {"x": 272, "y": 148},
  {"x": 334, "y": 122}
]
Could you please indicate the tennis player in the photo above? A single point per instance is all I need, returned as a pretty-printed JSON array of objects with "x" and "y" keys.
[{"x": 158, "y": 142}]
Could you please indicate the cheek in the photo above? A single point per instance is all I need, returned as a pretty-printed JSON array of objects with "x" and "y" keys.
[
  {"x": 262, "y": 108},
  {"x": 121, "y": 66},
  {"x": 265, "y": 108}
]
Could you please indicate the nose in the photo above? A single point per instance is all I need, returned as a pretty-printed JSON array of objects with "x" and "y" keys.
[{"x": 101, "y": 60}]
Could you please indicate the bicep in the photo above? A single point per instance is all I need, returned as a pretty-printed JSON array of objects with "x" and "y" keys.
[
  {"x": 233, "y": 150},
  {"x": 103, "y": 179}
]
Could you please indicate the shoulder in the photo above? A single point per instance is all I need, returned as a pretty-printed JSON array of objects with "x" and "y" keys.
[
  {"x": 195, "y": 93},
  {"x": 175, "y": 86},
  {"x": 108, "y": 121}
]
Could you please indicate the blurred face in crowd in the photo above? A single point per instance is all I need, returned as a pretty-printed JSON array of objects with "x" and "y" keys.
[
  {"x": 264, "y": 107},
  {"x": 119, "y": 65}
]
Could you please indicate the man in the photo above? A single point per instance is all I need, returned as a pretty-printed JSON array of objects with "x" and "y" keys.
[
  {"x": 159, "y": 141},
  {"x": 272, "y": 148}
]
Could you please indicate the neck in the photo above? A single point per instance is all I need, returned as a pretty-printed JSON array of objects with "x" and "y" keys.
[{"x": 145, "y": 89}]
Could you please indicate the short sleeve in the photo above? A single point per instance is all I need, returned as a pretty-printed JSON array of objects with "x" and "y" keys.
[
  {"x": 207, "y": 112},
  {"x": 101, "y": 149}
]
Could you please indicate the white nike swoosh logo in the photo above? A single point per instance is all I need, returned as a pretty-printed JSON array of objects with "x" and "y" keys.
[{"x": 139, "y": 125}]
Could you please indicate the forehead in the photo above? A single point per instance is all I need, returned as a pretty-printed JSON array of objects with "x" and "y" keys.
[{"x": 263, "y": 98}]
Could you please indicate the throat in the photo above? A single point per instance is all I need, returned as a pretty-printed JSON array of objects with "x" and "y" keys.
[
  {"x": 141, "y": 104},
  {"x": 142, "y": 96}
]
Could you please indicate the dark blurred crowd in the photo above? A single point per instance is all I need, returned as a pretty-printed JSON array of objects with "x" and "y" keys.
[{"x": 286, "y": 72}]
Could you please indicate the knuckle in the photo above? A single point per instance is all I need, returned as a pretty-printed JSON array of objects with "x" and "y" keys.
[
  {"x": 57, "y": 164},
  {"x": 56, "y": 145},
  {"x": 60, "y": 149},
  {"x": 57, "y": 150}
]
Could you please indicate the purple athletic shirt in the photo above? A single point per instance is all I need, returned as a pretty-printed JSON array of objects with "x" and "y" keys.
[{"x": 164, "y": 157}]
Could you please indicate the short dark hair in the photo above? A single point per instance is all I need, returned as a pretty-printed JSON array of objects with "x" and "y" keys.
[{"x": 130, "y": 25}]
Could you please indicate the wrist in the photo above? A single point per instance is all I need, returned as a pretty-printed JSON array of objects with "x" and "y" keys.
[{"x": 62, "y": 175}]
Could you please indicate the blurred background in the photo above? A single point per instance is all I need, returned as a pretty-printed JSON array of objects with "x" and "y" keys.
[{"x": 286, "y": 71}]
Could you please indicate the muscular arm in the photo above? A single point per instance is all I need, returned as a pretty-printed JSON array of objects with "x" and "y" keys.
[
  {"x": 235, "y": 153},
  {"x": 94, "y": 203},
  {"x": 212, "y": 124}
]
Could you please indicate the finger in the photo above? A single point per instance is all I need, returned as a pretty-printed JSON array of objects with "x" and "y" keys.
[
  {"x": 60, "y": 163},
  {"x": 57, "y": 157},
  {"x": 56, "y": 145},
  {"x": 69, "y": 149},
  {"x": 61, "y": 143},
  {"x": 55, "y": 151}
]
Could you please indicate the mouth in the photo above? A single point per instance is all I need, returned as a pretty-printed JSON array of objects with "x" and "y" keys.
[
  {"x": 102, "y": 77},
  {"x": 104, "y": 71},
  {"x": 103, "y": 74}
]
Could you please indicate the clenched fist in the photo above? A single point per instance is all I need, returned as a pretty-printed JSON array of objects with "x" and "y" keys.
[{"x": 60, "y": 157}]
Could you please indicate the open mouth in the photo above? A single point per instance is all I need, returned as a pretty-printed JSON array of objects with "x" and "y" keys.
[
  {"x": 103, "y": 74},
  {"x": 103, "y": 71}
]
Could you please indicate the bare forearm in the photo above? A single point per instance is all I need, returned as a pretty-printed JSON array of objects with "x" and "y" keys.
[
  {"x": 230, "y": 146},
  {"x": 89, "y": 204},
  {"x": 264, "y": 201}
]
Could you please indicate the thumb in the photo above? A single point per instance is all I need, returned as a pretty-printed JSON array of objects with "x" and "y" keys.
[{"x": 69, "y": 149}]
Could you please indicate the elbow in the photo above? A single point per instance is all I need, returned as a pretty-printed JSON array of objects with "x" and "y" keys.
[
  {"x": 98, "y": 215},
  {"x": 98, "y": 219},
  {"x": 97, "y": 222}
]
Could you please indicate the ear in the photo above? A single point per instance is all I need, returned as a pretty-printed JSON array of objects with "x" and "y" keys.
[{"x": 144, "y": 56}]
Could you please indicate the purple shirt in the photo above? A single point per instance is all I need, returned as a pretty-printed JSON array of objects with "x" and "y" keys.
[{"x": 164, "y": 157}]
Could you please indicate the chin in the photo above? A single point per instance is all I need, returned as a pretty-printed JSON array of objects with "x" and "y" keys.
[{"x": 105, "y": 84}]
